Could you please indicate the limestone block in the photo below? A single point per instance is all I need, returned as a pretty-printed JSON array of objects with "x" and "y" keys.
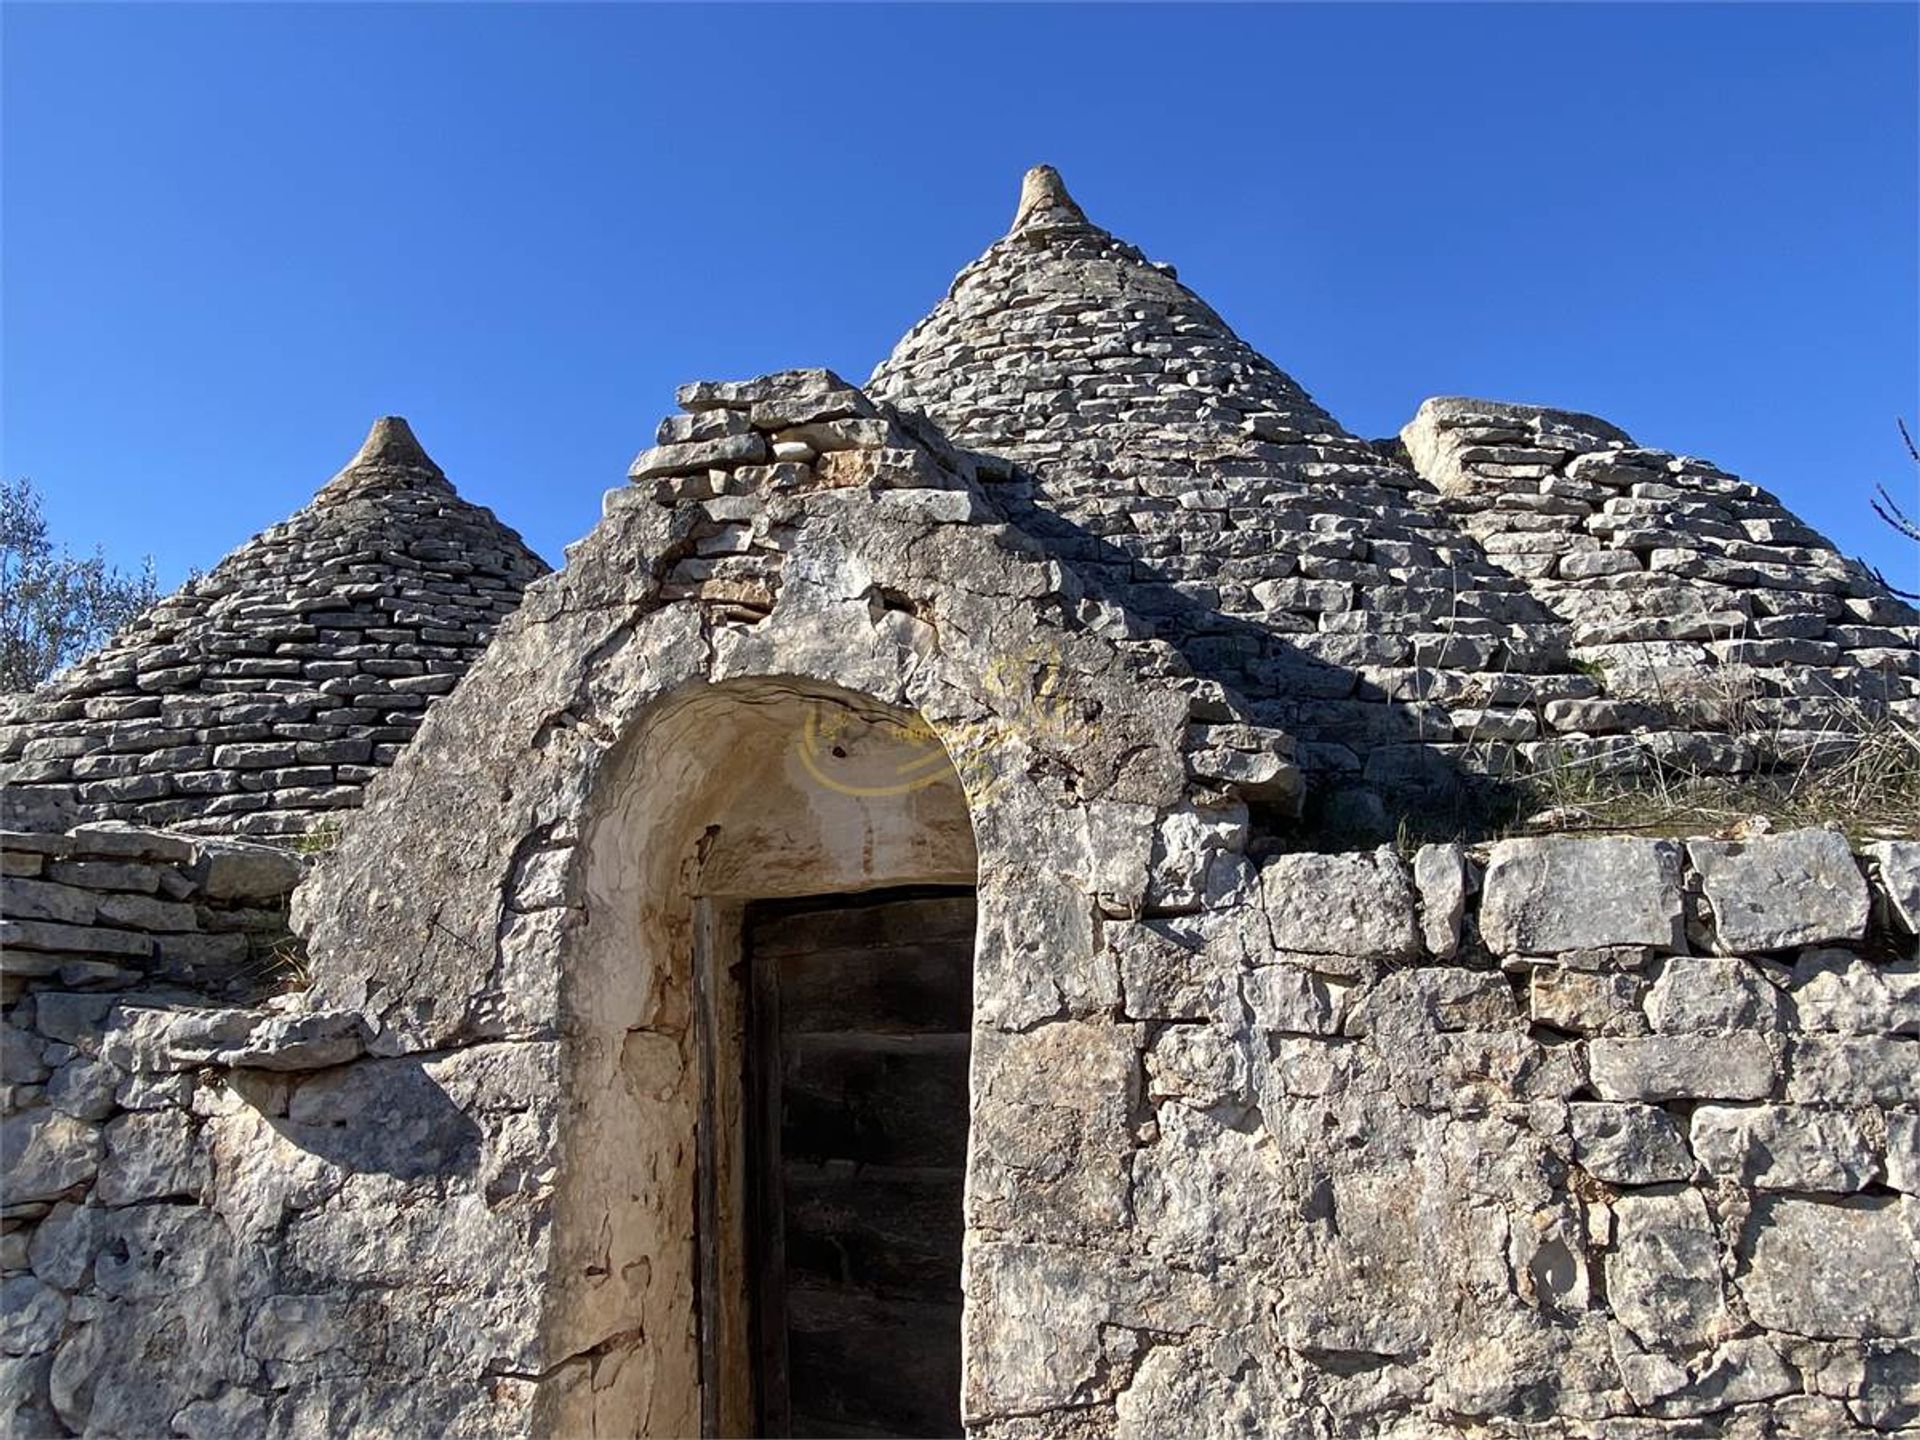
[
  {"x": 74, "y": 1020},
  {"x": 1202, "y": 1392},
  {"x": 63, "y": 1245},
  {"x": 21, "y": 1060},
  {"x": 1542, "y": 896},
  {"x": 1052, "y": 1111},
  {"x": 1784, "y": 1147},
  {"x": 31, "y": 1315},
  {"x": 44, "y": 1153},
  {"x": 238, "y": 870},
  {"x": 1359, "y": 906},
  {"x": 1740, "y": 1372},
  {"x": 1207, "y": 1190},
  {"x": 146, "y": 1037},
  {"x": 314, "y": 1040},
  {"x": 1440, "y": 875},
  {"x": 1836, "y": 990},
  {"x": 152, "y": 1155},
  {"x": 1286, "y": 999},
  {"x": 143, "y": 912},
  {"x": 84, "y": 1089},
  {"x": 295, "y": 1327},
  {"x": 1854, "y": 1070},
  {"x": 1714, "y": 997},
  {"x": 1903, "y": 1152},
  {"x": 1898, "y": 864},
  {"x": 1178, "y": 969},
  {"x": 684, "y": 459},
  {"x": 1664, "y": 1277},
  {"x": 1682, "y": 1067},
  {"x": 1586, "y": 1002},
  {"x": 25, "y": 1408},
  {"x": 16, "y": 935},
  {"x": 1835, "y": 1269},
  {"x": 1802, "y": 887},
  {"x": 1628, "y": 1144},
  {"x": 45, "y": 900}
]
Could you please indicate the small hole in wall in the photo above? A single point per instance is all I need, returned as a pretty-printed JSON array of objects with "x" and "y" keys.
[{"x": 839, "y": 752}]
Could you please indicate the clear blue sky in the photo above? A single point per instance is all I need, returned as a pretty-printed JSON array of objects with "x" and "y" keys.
[{"x": 233, "y": 235}]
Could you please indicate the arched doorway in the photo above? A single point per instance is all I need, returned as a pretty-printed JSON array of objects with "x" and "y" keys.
[{"x": 769, "y": 1008}]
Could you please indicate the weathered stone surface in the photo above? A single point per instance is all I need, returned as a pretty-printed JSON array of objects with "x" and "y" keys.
[
  {"x": 311, "y": 1041},
  {"x": 1838, "y": 1269},
  {"x": 31, "y": 1315},
  {"x": 1587, "y": 1002},
  {"x": 235, "y": 870},
  {"x": 1836, "y": 990},
  {"x": 151, "y": 1155},
  {"x": 1359, "y": 906},
  {"x": 253, "y": 699},
  {"x": 1785, "y": 1147},
  {"x": 1714, "y": 997},
  {"x": 45, "y": 1153},
  {"x": 1554, "y": 894},
  {"x": 1682, "y": 1067},
  {"x": 1628, "y": 1144},
  {"x": 1852, "y": 1070},
  {"x": 1664, "y": 1276},
  {"x": 1798, "y": 888},
  {"x": 1440, "y": 873},
  {"x": 1898, "y": 866}
]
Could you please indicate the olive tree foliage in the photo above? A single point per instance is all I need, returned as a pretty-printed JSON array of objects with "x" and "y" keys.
[{"x": 55, "y": 606}]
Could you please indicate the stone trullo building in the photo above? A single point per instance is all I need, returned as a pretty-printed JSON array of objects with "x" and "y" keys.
[{"x": 877, "y": 945}]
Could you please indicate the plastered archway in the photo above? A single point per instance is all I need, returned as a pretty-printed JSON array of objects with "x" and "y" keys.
[{"x": 727, "y": 793}]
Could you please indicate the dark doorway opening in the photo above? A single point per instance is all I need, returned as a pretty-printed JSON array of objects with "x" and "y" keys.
[{"x": 859, "y": 1015}]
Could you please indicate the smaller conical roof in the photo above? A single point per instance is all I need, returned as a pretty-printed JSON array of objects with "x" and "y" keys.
[{"x": 262, "y": 696}]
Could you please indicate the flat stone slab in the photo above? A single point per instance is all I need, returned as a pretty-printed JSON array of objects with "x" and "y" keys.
[
  {"x": 1800, "y": 888},
  {"x": 1840, "y": 1270},
  {"x": 1556, "y": 893}
]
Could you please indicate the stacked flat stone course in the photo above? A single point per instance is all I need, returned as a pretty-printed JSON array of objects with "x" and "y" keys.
[
  {"x": 262, "y": 697},
  {"x": 1702, "y": 601},
  {"x": 1202, "y": 491},
  {"x": 107, "y": 906}
]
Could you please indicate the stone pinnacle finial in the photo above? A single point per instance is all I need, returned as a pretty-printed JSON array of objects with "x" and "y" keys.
[
  {"x": 1044, "y": 200},
  {"x": 391, "y": 444}
]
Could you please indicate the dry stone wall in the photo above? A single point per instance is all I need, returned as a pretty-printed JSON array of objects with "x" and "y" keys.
[
  {"x": 107, "y": 906},
  {"x": 1572, "y": 1136},
  {"x": 263, "y": 696},
  {"x": 1577, "y": 1136}
]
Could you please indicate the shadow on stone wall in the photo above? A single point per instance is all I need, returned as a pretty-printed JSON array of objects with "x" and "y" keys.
[
  {"x": 384, "y": 1116},
  {"x": 1399, "y": 785}
]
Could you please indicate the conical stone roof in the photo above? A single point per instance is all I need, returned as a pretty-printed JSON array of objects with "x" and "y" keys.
[
  {"x": 261, "y": 697},
  {"x": 1204, "y": 491}
]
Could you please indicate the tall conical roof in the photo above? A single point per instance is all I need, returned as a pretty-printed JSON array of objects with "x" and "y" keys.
[
  {"x": 1200, "y": 489},
  {"x": 1062, "y": 342},
  {"x": 262, "y": 696}
]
